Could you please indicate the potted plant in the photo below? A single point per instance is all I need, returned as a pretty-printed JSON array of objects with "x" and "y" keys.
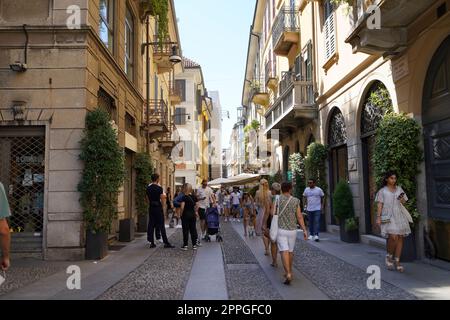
[
  {"x": 144, "y": 170},
  {"x": 343, "y": 210},
  {"x": 351, "y": 233},
  {"x": 102, "y": 177}
]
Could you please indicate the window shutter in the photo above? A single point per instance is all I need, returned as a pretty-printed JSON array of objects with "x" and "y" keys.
[
  {"x": 330, "y": 37},
  {"x": 181, "y": 88}
]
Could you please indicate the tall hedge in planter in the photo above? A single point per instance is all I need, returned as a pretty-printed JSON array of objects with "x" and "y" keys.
[
  {"x": 103, "y": 172},
  {"x": 343, "y": 202},
  {"x": 397, "y": 148},
  {"x": 297, "y": 163},
  {"x": 144, "y": 170},
  {"x": 315, "y": 164}
]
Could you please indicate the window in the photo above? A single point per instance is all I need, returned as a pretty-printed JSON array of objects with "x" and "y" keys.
[
  {"x": 130, "y": 124},
  {"x": 186, "y": 151},
  {"x": 180, "y": 116},
  {"x": 129, "y": 44},
  {"x": 180, "y": 86},
  {"x": 330, "y": 30},
  {"x": 106, "y": 28}
]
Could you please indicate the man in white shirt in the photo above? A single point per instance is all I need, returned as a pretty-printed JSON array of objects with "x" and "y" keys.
[
  {"x": 205, "y": 196},
  {"x": 314, "y": 205},
  {"x": 235, "y": 204}
]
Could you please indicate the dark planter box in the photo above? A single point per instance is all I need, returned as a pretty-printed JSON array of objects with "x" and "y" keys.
[
  {"x": 142, "y": 223},
  {"x": 126, "y": 230},
  {"x": 96, "y": 245},
  {"x": 350, "y": 236},
  {"x": 409, "y": 253},
  {"x": 323, "y": 223}
]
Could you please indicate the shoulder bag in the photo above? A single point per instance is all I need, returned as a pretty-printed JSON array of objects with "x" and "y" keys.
[{"x": 274, "y": 223}]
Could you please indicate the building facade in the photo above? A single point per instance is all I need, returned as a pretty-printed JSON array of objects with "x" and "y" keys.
[
  {"x": 53, "y": 71},
  {"x": 216, "y": 136},
  {"x": 192, "y": 118},
  {"x": 316, "y": 65}
]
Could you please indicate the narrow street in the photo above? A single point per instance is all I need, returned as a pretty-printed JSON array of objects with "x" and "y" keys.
[{"x": 235, "y": 269}]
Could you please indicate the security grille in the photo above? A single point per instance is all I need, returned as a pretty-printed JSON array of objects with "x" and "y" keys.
[{"x": 22, "y": 172}]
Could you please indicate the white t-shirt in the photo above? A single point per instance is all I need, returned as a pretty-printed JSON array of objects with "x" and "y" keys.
[
  {"x": 235, "y": 198},
  {"x": 314, "y": 197},
  {"x": 202, "y": 193}
]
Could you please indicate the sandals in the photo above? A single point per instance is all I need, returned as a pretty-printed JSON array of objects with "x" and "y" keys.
[
  {"x": 288, "y": 279},
  {"x": 275, "y": 265},
  {"x": 389, "y": 262},
  {"x": 398, "y": 267}
]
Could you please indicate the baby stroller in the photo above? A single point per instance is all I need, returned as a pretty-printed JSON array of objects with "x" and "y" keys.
[{"x": 213, "y": 224}]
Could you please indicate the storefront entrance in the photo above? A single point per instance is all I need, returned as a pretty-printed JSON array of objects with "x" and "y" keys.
[
  {"x": 22, "y": 172},
  {"x": 436, "y": 121}
]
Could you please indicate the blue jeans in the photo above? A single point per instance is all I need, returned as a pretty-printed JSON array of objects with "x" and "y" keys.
[{"x": 314, "y": 222}]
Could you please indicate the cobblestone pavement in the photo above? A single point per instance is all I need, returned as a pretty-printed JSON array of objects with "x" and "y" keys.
[
  {"x": 163, "y": 276},
  {"x": 245, "y": 278},
  {"x": 339, "y": 279},
  {"x": 25, "y": 271}
]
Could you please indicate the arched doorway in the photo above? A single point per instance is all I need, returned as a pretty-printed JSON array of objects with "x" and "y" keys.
[
  {"x": 286, "y": 154},
  {"x": 436, "y": 122},
  {"x": 338, "y": 160},
  {"x": 376, "y": 102}
]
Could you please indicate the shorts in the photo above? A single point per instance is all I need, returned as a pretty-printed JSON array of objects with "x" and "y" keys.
[
  {"x": 235, "y": 206},
  {"x": 226, "y": 205},
  {"x": 202, "y": 213},
  {"x": 286, "y": 240}
]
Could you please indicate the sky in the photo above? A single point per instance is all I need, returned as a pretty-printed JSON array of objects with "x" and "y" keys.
[{"x": 214, "y": 33}]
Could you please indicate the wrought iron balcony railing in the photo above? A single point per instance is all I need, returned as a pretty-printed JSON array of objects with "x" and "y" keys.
[
  {"x": 158, "y": 114},
  {"x": 287, "y": 80},
  {"x": 287, "y": 20}
]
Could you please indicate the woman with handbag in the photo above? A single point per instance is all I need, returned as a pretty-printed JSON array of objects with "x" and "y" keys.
[
  {"x": 393, "y": 219},
  {"x": 189, "y": 217},
  {"x": 286, "y": 217},
  {"x": 276, "y": 190}
]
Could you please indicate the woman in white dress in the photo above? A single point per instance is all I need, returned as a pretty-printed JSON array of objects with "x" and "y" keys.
[{"x": 393, "y": 222}]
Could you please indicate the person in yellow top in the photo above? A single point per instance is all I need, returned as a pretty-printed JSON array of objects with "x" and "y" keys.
[{"x": 5, "y": 237}]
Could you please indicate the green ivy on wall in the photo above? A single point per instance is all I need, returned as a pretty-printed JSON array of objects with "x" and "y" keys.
[
  {"x": 297, "y": 163},
  {"x": 144, "y": 170},
  {"x": 397, "y": 148},
  {"x": 161, "y": 11},
  {"x": 315, "y": 164},
  {"x": 103, "y": 173}
]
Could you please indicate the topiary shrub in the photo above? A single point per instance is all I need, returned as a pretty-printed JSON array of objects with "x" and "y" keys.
[
  {"x": 315, "y": 164},
  {"x": 397, "y": 148},
  {"x": 343, "y": 202},
  {"x": 297, "y": 163},
  {"x": 103, "y": 173},
  {"x": 144, "y": 170}
]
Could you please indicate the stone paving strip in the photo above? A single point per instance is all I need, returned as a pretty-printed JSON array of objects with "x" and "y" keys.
[
  {"x": 339, "y": 279},
  {"x": 245, "y": 278},
  {"x": 26, "y": 271},
  {"x": 163, "y": 276}
]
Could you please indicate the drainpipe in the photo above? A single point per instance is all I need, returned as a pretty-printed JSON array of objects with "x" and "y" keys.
[
  {"x": 313, "y": 47},
  {"x": 26, "y": 43},
  {"x": 147, "y": 87}
]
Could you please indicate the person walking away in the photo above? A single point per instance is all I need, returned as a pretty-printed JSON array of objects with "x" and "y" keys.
[
  {"x": 169, "y": 204},
  {"x": 5, "y": 236},
  {"x": 313, "y": 197},
  {"x": 227, "y": 205},
  {"x": 177, "y": 204},
  {"x": 235, "y": 204},
  {"x": 219, "y": 197},
  {"x": 392, "y": 221},
  {"x": 249, "y": 208},
  {"x": 189, "y": 218},
  {"x": 276, "y": 190},
  {"x": 156, "y": 200},
  {"x": 205, "y": 197},
  {"x": 263, "y": 200},
  {"x": 289, "y": 214}
]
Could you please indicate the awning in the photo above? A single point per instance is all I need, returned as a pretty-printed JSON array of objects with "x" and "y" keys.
[
  {"x": 243, "y": 178},
  {"x": 218, "y": 182}
]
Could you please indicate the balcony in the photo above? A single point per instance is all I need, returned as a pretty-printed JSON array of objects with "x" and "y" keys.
[
  {"x": 295, "y": 106},
  {"x": 170, "y": 139},
  {"x": 271, "y": 79},
  {"x": 391, "y": 36},
  {"x": 162, "y": 50},
  {"x": 285, "y": 31},
  {"x": 158, "y": 120},
  {"x": 259, "y": 93},
  {"x": 175, "y": 94}
]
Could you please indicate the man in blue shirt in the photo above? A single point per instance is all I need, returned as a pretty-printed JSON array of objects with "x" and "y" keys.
[{"x": 313, "y": 197}]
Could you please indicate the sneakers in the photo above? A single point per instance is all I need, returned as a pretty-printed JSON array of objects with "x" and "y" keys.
[
  {"x": 194, "y": 248},
  {"x": 238, "y": 220},
  {"x": 169, "y": 246},
  {"x": 152, "y": 245},
  {"x": 184, "y": 248},
  {"x": 310, "y": 237},
  {"x": 199, "y": 244},
  {"x": 160, "y": 240},
  {"x": 316, "y": 238}
]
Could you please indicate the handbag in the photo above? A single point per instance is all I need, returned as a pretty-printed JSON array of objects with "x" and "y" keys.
[
  {"x": 406, "y": 213},
  {"x": 274, "y": 223}
]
